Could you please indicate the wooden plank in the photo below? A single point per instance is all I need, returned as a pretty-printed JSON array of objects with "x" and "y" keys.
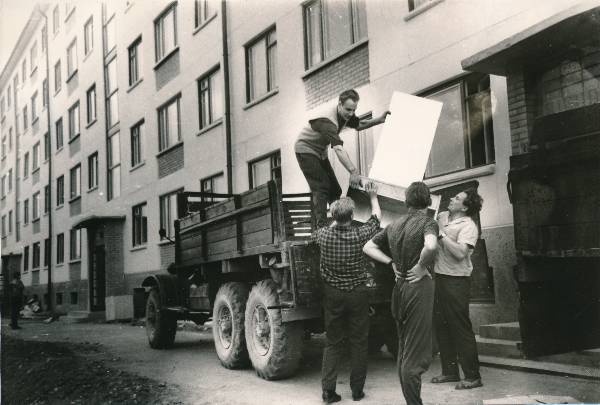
[
  {"x": 256, "y": 195},
  {"x": 220, "y": 208},
  {"x": 250, "y": 240}
]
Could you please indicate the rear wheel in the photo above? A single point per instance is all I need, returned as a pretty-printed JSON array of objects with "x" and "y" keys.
[
  {"x": 274, "y": 347},
  {"x": 160, "y": 327},
  {"x": 382, "y": 331},
  {"x": 228, "y": 325}
]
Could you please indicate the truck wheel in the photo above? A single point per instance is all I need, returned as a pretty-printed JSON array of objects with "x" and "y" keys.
[
  {"x": 160, "y": 327},
  {"x": 228, "y": 325},
  {"x": 383, "y": 331},
  {"x": 274, "y": 347}
]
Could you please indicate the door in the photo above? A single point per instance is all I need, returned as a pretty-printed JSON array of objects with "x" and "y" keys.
[{"x": 97, "y": 279}]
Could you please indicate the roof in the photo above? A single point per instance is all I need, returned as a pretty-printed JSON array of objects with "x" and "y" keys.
[{"x": 92, "y": 220}]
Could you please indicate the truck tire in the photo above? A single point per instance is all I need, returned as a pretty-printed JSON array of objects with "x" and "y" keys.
[
  {"x": 275, "y": 348},
  {"x": 382, "y": 331},
  {"x": 228, "y": 325},
  {"x": 160, "y": 327}
]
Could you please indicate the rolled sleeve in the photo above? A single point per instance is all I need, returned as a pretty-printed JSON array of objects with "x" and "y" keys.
[
  {"x": 381, "y": 238},
  {"x": 368, "y": 229},
  {"x": 468, "y": 235},
  {"x": 328, "y": 129},
  {"x": 431, "y": 227}
]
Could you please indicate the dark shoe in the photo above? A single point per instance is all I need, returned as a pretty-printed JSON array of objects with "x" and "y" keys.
[
  {"x": 331, "y": 396},
  {"x": 358, "y": 395},
  {"x": 469, "y": 384},
  {"x": 444, "y": 379}
]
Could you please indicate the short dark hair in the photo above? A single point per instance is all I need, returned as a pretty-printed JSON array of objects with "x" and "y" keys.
[
  {"x": 417, "y": 195},
  {"x": 342, "y": 209},
  {"x": 349, "y": 95},
  {"x": 472, "y": 201}
]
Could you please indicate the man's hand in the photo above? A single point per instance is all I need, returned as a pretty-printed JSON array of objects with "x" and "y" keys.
[
  {"x": 371, "y": 189},
  {"x": 354, "y": 180},
  {"x": 396, "y": 271},
  {"x": 384, "y": 116},
  {"x": 417, "y": 273}
]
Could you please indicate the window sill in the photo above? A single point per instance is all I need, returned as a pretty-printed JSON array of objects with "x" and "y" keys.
[
  {"x": 72, "y": 200},
  {"x": 140, "y": 247},
  {"x": 89, "y": 124},
  {"x": 59, "y": 265},
  {"x": 34, "y": 220},
  {"x": 165, "y": 242},
  {"x": 165, "y": 151},
  {"x": 71, "y": 11},
  {"x": 446, "y": 179},
  {"x": 412, "y": 14},
  {"x": 261, "y": 99},
  {"x": 134, "y": 85},
  {"x": 74, "y": 137},
  {"x": 56, "y": 92},
  {"x": 87, "y": 55},
  {"x": 332, "y": 59},
  {"x": 59, "y": 206},
  {"x": 73, "y": 74},
  {"x": 25, "y": 224},
  {"x": 74, "y": 261},
  {"x": 35, "y": 269},
  {"x": 37, "y": 169},
  {"x": 89, "y": 190},
  {"x": 128, "y": 7},
  {"x": 168, "y": 56},
  {"x": 210, "y": 126},
  {"x": 142, "y": 163},
  {"x": 58, "y": 150},
  {"x": 33, "y": 71},
  {"x": 33, "y": 121},
  {"x": 204, "y": 24}
]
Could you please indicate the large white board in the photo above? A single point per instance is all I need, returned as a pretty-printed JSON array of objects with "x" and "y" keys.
[{"x": 405, "y": 141}]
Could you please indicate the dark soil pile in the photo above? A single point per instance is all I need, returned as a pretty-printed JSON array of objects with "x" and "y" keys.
[{"x": 56, "y": 373}]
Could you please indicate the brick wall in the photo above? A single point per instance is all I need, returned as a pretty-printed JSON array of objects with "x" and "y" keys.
[
  {"x": 167, "y": 256},
  {"x": 521, "y": 110},
  {"x": 113, "y": 245},
  {"x": 75, "y": 271},
  {"x": 347, "y": 72},
  {"x": 171, "y": 161}
]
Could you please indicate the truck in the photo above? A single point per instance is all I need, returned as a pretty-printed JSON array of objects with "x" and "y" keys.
[{"x": 246, "y": 262}]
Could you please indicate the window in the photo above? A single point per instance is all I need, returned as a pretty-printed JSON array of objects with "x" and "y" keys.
[
  {"x": 60, "y": 191},
  {"x": 213, "y": 184},
  {"x": 75, "y": 246},
  {"x": 35, "y": 160},
  {"x": 464, "y": 136},
  {"x": 265, "y": 169},
  {"x": 26, "y": 165},
  {"x": 110, "y": 36},
  {"x": 203, "y": 11},
  {"x": 8, "y": 97},
  {"x": 134, "y": 61},
  {"x": 36, "y": 256},
  {"x": 74, "y": 121},
  {"x": 10, "y": 139},
  {"x": 4, "y": 226},
  {"x": 26, "y": 258},
  {"x": 91, "y": 104},
  {"x": 72, "y": 59},
  {"x": 47, "y": 146},
  {"x": 24, "y": 70},
  {"x": 57, "y": 77},
  {"x": 75, "y": 182},
  {"x": 114, "y": 166},
  {"x": 168, "y": 124},
  {"x": 168, "y": 212},
  {"x": 139, "y": 225},
  {"x": 46, "y": 199},
  {"x": 2, "y": 107},
  {"x": 74, "y": 298},
  {"x": 69, "y": 8},
  {"x": 112, "y": 103},
  {"x": 415, "y": 4},
  {"x": 136, "y": 143},
  {"x": 165, "y": 32},
  {"x": 25, "y": 120},
  {"x": 59, "y": 134},
  {"x": 332, "y": 26},
  {"x": 88, "y": 36},
  {"x": 261, "y": 61},
  {"x": 10, "y": 221},
  {"x": 59, "y": 297},
  {"x": 33, "y": 56},
  {"x": 55, "y": 20},
  {"x": 46, "y": 252},
  {"x": 3, "y": 147},
  {"x": 3, "y": 188},
  {"x": 26, "y": 212},
  {"x": 45, "y": 93},
  {"x": 93, "y": 171},
  {"x": 10, "y": 175},
  {"x": 210, "y": 98},
  {"x": 35, "y": 206},
  {"x": 34, "y": 115},
  {"x": 60, "y": 248},
  {"x": 44, "y": 37}
]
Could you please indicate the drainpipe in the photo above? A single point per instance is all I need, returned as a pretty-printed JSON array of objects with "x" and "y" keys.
[
  {"x": 227, "y": 97},
  {"x": 50, "y": 210}
]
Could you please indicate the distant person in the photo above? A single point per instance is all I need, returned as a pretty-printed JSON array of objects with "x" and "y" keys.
[
  {"x": 412, "y": 241},
  {"x": 453, "y": 267},
  {"x": 16, "y": 299},
  {"x": 345, "y": 294},
  {"x": 311, "y": 150}
]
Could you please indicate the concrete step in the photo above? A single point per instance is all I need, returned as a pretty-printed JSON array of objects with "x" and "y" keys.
[
  {"x": 83, "y": 316},
  {"x": 542, "y": 367},
  {"x": 584, "y": 358},
  {"x": 498, "y": 347},
  {"x": 508, "y": 331}
]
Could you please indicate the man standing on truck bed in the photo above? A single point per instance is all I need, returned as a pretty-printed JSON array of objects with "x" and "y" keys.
[
  {"x": 345, "y": 294},
  {"x": 311, "y": 150}
]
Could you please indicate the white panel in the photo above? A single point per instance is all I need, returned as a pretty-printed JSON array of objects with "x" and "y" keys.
[{"x": 403, "y": 149}]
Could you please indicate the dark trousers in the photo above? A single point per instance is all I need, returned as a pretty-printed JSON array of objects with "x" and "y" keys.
[
  {"x": 412, "y": 307},
  {"x": 346, "y": 322},
  {"x": 453, "y": 327},
  {"x": 323, "y": 184},
  {"x": 15, "y": 307}
]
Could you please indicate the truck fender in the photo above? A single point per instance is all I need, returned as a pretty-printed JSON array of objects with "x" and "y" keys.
[{"x": 166, "y": 285}]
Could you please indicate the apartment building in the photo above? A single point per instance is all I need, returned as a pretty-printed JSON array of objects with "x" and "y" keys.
[{"x": 145, "y": 99}]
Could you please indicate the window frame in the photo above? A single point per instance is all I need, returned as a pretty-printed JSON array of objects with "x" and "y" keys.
[
  {"x": 72, "y": 70},
  {"x": 164, "y": 139},
  {"x": 134, "y": 61},
  {"x": 25, "y": 259},
  {"x": 211, "y": 180},
  {"x": 55, "y": 20},
  {"x": 91, "y": 106},
  {"x": 273, "y": 169},
  {"x": 93, "y": 171},
  {"x": 88, "y": 41},
  {"x": 271, "y": 85},
  {"x": 35, "y": 206},
  {"x": 75, "y": 192},
  {"x": 35, "y": 159},
  {"x": 57, "y": 77},
  {"x": 136, "y": 141},
  {"x": 35, "y": 256},
  {"x": 160, "y": 51},
  {"x": 208, "y": 78},
  {"x": 74, "y": 106},
  {"x": 60, "y": 248},
  {"x": 201, "y": 16},
  {"x": 74, "y": 251},
  {"x": 169, "y": 228},
  {"x": 139, "y": 225},
  {"x": 59, "y": 132},
  {"x": 60, "y": 190}
]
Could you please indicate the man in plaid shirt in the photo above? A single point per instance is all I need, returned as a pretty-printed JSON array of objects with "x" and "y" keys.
[{"x": 345, "y": 294}]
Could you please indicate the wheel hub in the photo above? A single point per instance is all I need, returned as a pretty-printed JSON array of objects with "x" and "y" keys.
[
  {"x": 224, "y": 326},
  {"x": 262, "y": 330}
]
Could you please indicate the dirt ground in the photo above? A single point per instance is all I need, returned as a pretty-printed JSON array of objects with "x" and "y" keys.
[{"x": 73, "y": 373}]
